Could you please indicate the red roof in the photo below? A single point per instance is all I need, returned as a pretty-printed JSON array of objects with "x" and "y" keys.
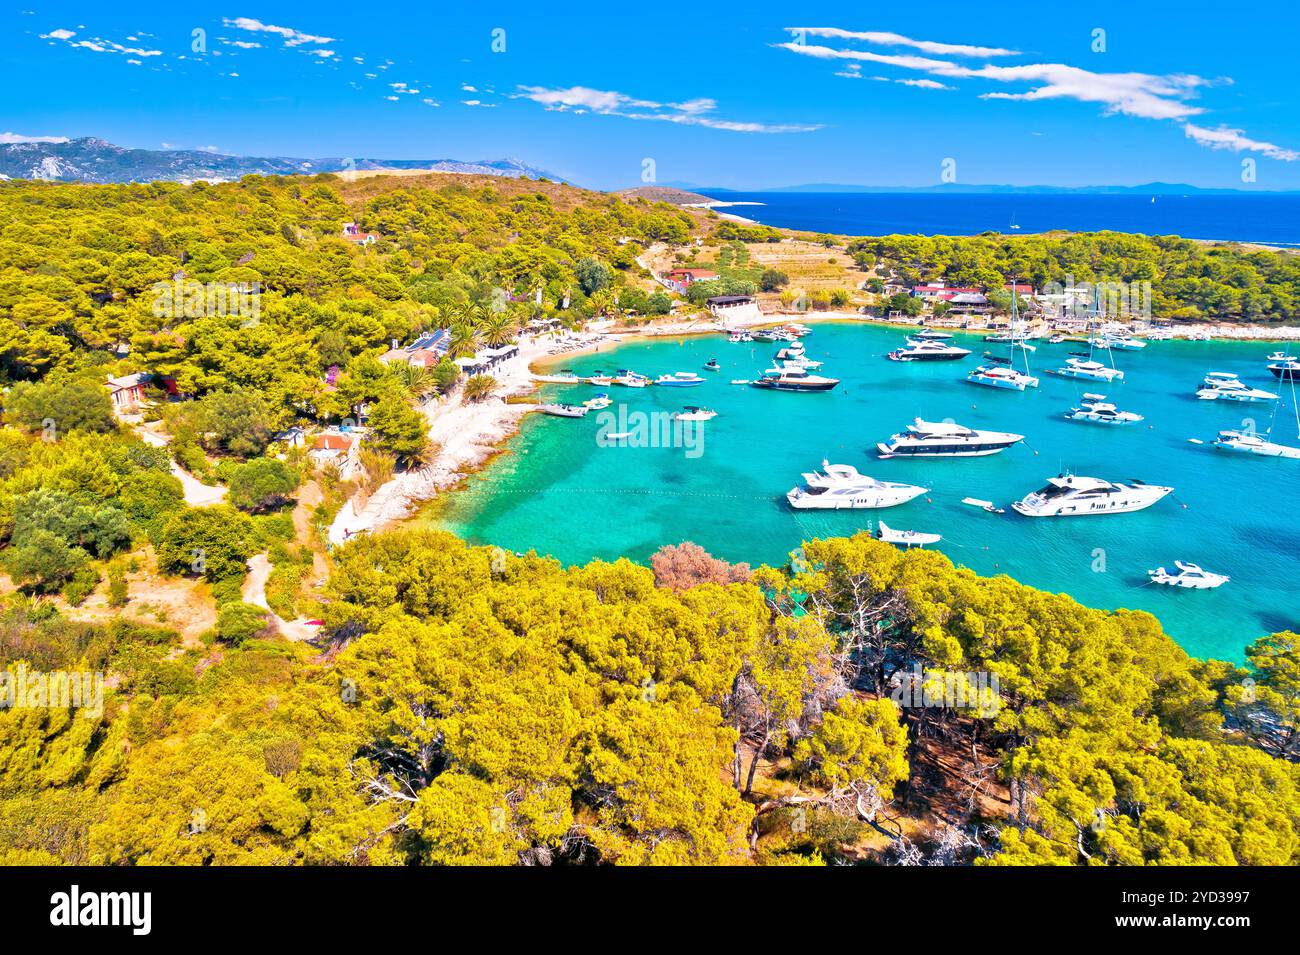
[
  {"x": 333, "y": 442},
  {"x": 694, "y": 273}
]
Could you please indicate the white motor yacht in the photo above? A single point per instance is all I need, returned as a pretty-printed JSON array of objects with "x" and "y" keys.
[
  {"x": 1087, "y": 368},
  {"x": 793, "y": 379},
  {"x": 1284, "y": 367},
  {"x": 1226, "y": 385},
  {"x": 1249, "y": 442},
  {"x": 1190, "y": 576},
  {"x": 679, "y": 379},
  {"x": 924, "y": 349},
  {"x": 1070, "y": 495},
  {"x": 998, "y": 373},
  {"x": 838, "y": 486},
  {"x": 563, "y": 411},
  {"x": 630, "y": 379},
  {"x": 944, "y": 439},
  {"x": 1096, "y": 409},
  {"x": 598, "y": 402},
  {"x": 1125, "y": 343},
  {"x": 565, "y": 377},
  {"x": 891, "y": 535}
]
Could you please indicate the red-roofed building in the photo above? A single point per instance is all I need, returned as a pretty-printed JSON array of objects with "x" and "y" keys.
[
  {"x": 687, "y": 276},
  {"x": 938, "y": 292},
  {"x": 1019, "y": 289},
  {"x": 353, "y": 233}
]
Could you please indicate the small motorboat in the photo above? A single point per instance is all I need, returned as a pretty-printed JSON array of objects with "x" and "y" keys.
[
  {"x": 905, "y": 538},
  {"x": 1056, "y": 339},
  {"x": 712, "y": 365},
  {"x": 600, "y": 379},
  {"x": 1190, "y": 576},
  {"x": 563, "y": 411},
  {"x": 629, "y": 379},
  {"x": 739, "y": 337},
  {"x": 1284, "y": 367},
  {"x": 741, "y": 381},
  {"x": 679, "y": 379},
  {"x": 1125, "y": 343},
  {"x": 692, "y": 413},
  {"x": 601, "y": 400},
  {"x": 1097, "y": 410},
  {"x": 984, "y": 505},
  {"x": 565, "y": 377}
]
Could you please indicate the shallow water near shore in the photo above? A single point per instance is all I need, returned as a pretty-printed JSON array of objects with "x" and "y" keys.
[{"x": 558, "y": 492}]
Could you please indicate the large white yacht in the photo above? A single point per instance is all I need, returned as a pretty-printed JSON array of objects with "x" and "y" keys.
[
  {"x": 942, "y": 439},
  {"x": 838, "y": 486},
  {"x": 1226, "y": 385},
  {"x": 1087, "y": 368},
  {"x": 998, "y": 373},
  {"x": 1190, "y": 577},
  {"x": 927, "y": 349},
  {"x": 1070, "y": 495},
  {"x": 1097, "y": 410},
  {"x": 793, "y": 379},
  {"x": 1249, "y": 442}
]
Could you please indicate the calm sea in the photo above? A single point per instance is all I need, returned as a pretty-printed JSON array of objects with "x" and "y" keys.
[
  {"x": 558, "y": 492},
  {"x": 1268, "y": 219}
]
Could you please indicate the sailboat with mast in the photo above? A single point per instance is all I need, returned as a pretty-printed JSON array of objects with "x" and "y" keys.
[
  {"x": 1084, "y": 364},
  {"x": 998, "y": 372},
  {"x": 1247, "y": 440}
]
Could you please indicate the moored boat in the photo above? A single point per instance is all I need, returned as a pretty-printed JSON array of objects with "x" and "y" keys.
[
  {"x": 793, "y": 379},
  {"x": 1190, "y": 576},
  {"x": 563, "y": 411},
  {"x": 679, "y": 379},
  {"x": 842, "y": 487},
  {"x": 905, "y": 538},
  {"x": 945, "y": 439},
  {"x": 1095, "y": 409},
  {"x": 1069, "y": 495}
]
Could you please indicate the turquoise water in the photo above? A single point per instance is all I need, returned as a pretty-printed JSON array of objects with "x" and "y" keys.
[{"x": 558, "y": 492}]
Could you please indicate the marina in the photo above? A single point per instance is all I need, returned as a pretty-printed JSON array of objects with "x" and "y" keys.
[{"x": 731, "y": 498}]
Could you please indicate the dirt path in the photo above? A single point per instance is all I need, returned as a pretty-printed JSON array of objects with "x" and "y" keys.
[{"x": 254, "y": 592}]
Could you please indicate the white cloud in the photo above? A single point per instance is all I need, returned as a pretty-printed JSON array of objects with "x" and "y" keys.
[
  {"x": 20, "y": 138},
  {"x": 290, "y": 36},
  {"x": 241, "y": 44},
  {"x": 1142, "y": 95},
  {"x": 478, "y": 103},
  {"x": 59, "y": 35},
  {"x": 98, "y": 44},
  {"x": 429, "y": 101},
  {"x": 896, "y": 39},
  {"x": 925, "y": 84},
  {"x": 466, "y": 88},
  {"x": 1237, "y": 141},
  {"x": 582, "y": 99}
]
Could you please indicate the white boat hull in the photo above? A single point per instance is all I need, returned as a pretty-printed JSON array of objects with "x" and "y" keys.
[
  {"x": 868, "y": 500},
  {"x": 1118, "y": 505}
]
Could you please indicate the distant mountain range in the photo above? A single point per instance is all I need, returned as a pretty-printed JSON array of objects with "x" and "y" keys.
[
  {"x": 1145, "y": 189},
  {"x": 94, "y": 160}
]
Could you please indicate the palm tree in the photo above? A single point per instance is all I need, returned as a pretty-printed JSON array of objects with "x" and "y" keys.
[
  {"x": 478, "y": 387},
  {"x": 497, "y": 328},
  {"x": 418, "y": 380},
  {"x": 465, "y": 339}
]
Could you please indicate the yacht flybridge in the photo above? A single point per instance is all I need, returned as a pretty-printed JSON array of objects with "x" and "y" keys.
[
  {"x": 998, "y": 373},
  {"x": 1250, "y": 442},
  {"x": 927, "y": 349},
  {"x": 1095, "y": 409},
  {"x": 1070, "y": 495},
  {"x": 838, "y": 486},
  {"x": 1226, "y": 385},
  {"x": 943, "y": 439}
]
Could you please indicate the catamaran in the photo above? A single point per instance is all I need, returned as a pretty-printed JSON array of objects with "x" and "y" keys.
[
  {"x": 945, "y": 439},
  {"x": 1226, "y": 385},
  {"x": 998, "y": 373},
  {"x": 1085, "y": 367},
  {"x": 1189, "y": 576},
  {"x": 1097, "y": 410},
  {"x": 839, "y": 486},
  {"x": 1069, "y": 495}
]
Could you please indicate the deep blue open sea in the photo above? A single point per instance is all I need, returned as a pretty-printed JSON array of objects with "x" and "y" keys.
[
  {"x": 1270, "y": 219},
  {"x": 558, "y": 491}
]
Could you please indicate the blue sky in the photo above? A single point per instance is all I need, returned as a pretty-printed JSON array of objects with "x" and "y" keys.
[{"x": 723, "y": 95}]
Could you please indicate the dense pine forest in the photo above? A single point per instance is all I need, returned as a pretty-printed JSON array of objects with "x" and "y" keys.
[{"x": 463, "y": 705}]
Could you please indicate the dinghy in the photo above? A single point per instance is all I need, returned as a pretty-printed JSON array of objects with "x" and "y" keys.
[{"x": 905, "y": 538}]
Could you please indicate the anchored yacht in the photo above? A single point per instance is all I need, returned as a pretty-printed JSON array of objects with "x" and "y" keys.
[
  {"x": 1190, "y": 576},
  {"x": 679, "y": 379},
  {"x": 838, "y": 486},
  {"x": 1087, "y": 368},
  {"x": 1284, "y": 367},
  {"x": 630, "y": 379},
  {"x": 793, "y": 379},
  {"x": 692, "y": 413},
  {"x": 942, "y": 439},
  {"x": 1096, "y": 409},
  {"x": 998, "y": 373},
  {"x": 1072, "y": 496},
  {"x": 891, "y": 535},
  {"x": 565, "y": 377},
  {"x": 1226, "y": 385},
  {"x": 919, "y": 349},
  {"x": 1251, "y": 443},
  {"x": 563, "y": 411}
]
